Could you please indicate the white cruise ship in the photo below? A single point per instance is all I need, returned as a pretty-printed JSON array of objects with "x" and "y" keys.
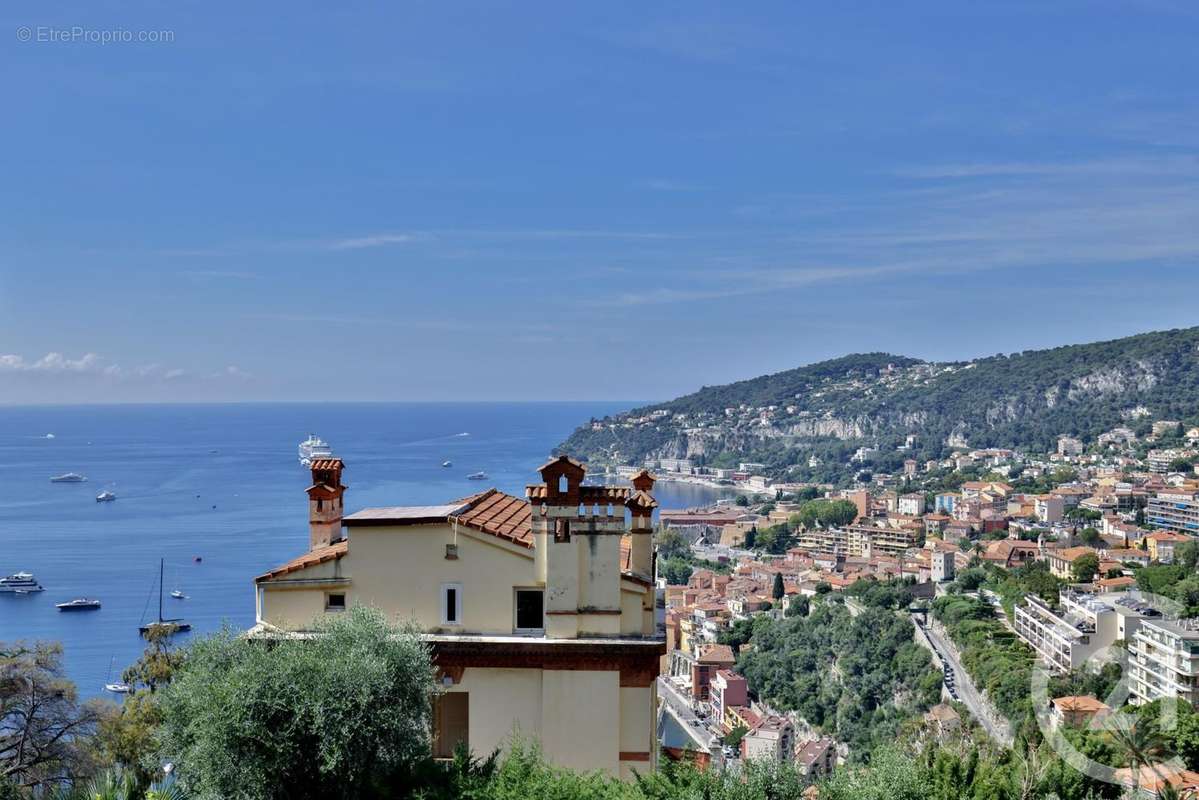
[{"x": 313, "y": 447}]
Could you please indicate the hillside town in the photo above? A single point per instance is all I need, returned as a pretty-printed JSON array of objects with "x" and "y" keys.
[{"x": 1097, "y": 519}]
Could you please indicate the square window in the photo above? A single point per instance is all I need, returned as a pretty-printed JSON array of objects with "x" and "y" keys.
[
  {"x": 530, "y": 610},
  {"x": 335, "y": 601},
  {"x": 451, "y": 604}
]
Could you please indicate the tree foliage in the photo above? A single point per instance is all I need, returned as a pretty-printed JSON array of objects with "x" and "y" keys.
[{"x": 328, "y": 716}]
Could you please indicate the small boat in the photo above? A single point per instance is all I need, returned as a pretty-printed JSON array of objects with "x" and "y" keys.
[
  {"x": 477, "y": 476},
  {"x": 105, "y": 497},
  {"x": 79, "y": 604},
  {"x": 447, "y": 463},
  {"x": 116, "y": 688},
  {"x": 168, "y": 626},
  {"x": 197, "y": 559},
  {"x": 49, "y": 436},
  {"x": 464, "y": 433},
  {"x": 20, "y": 583},
  {"x": 68, "y": 477},
  {"x": 178, "y": 595}
]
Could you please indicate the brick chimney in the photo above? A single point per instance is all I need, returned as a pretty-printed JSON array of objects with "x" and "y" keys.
[
  {"x": 325, "y": 502},
  {"x": 641, "y": 505}
]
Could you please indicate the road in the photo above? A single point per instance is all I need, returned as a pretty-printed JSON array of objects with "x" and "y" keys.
[
  {"x": 967, "y": 692},
  {"x": 679, "y": 706}
]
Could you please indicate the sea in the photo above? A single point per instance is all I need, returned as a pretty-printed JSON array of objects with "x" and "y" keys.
[{"x": 215, "y": 494}]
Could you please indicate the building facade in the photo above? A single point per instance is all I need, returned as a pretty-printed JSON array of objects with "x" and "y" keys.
[
  {"x": 1164, "y": 656},
  {"x": 1176, "y": 511},
  {"x": 539, "y": 611}
]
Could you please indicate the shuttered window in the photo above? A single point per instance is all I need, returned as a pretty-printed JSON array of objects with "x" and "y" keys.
[{"x": 451, "y": 721}]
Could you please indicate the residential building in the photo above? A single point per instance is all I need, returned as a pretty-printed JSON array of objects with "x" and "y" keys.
[
  {"x": 1081, "y": 626},
  {"x": 1075, "y": 711},
  {"x": 945, "y": 503},
  {"x": 726, "y": 690},
  {"x": 1049, "y": 508},
  {"x": 941, "y": 568},
  {"x": 816, "y": 758},
  {"x": 1062, "y": 561},
  {"x": 943, "y": 719},
  {"x": 1161, "y": 545},
  {"x": 1069, "y": 446},
  {"x": 539, "y": 611},
  {"x": 1174, "y": 510},
  {"x": 1164, "y": 660},
  {"x": 772, "y": 737},
  {"x": 711, "y": 659},
  {"x": 911, "y": 504}
]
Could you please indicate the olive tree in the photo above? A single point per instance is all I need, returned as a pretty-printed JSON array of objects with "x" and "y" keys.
[{"x": 335, "y": 714}]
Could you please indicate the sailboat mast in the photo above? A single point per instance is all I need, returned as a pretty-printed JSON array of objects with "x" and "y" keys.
[{"x": 160, "y": 566}]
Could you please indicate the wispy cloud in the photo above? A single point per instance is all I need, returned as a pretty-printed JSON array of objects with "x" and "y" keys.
[
  {"x": 1134, "y": 212},
  {"x": 377, "y": 240},
  {"x": 94, "y": 366}
]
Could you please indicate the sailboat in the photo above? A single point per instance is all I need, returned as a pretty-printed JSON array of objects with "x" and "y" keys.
[
  {"x": 170, "y": 625},
  {"x": 116, "y": 688}
]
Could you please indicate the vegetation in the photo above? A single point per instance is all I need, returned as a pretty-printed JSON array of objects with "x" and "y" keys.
[
  {"x": 859, "y": 678},
  {"x": 335, "y": 715},
  {"x": 1022, "y": 400}
]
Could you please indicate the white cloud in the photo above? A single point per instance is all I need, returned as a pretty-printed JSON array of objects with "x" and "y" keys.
[
  {"x": 378, "y": 240},
  {"x": 92, "y": 365}
]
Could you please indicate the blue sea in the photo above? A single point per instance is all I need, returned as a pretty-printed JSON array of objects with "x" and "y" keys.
[{"x": 222, "y": 483}]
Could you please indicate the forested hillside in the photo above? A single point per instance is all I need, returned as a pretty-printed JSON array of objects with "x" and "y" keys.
[{"x": 808, "y": 421}]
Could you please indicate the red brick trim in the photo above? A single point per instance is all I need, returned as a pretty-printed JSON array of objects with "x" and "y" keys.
[
  {"x": 634, "y": 755},
  {"x": 637, "y": 664}
]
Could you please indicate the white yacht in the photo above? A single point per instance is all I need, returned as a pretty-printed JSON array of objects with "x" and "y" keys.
[
  {"x": 106, "y": 497},
  {"x": 312, "y": 448},
  {"x": 68, "y": 477},
  {"x": 20, "y": 583},
  {"x": 477, "y": 476}
]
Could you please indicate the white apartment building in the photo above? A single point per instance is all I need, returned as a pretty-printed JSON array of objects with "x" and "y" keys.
[
  {"x": 1083, "y": 625},
  {"x": 1164, "y": 657}
]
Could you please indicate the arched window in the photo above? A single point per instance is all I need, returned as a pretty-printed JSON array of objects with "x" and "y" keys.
[{"x": 563, "y": 486}]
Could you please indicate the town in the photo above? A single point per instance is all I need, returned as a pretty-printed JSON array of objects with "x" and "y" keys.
[{"x": 1096, "y": 520}]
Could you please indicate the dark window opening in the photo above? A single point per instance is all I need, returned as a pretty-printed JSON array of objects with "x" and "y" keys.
[
  {"x": 451, "y": 604},
  {"x": 530, "y": 609},
  {"x": 335, "y": 602}
]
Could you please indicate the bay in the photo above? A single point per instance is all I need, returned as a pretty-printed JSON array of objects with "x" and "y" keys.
[{"x": 223, "y": 483}]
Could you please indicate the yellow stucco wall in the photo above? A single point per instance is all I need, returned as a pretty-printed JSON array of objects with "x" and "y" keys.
[
  {"x": 577, "y": 729},
  {"x": 559, "y": 709}
]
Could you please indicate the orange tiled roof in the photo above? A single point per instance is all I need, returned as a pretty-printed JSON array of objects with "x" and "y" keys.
[
  {"x": 500, "y": 515},
  {"x": 320, "y": 555},
  {"x": 1084, "y": 703},
  {"x": 326, "y": 463}
]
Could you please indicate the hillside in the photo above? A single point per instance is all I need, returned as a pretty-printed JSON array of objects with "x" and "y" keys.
[{"x": 807, "y": 422}]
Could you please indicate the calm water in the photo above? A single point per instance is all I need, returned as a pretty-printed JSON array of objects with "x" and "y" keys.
[{"x": 222, "y": 482}]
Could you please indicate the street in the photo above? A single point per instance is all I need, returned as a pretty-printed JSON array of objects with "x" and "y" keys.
[{"x": 969, "y": 695}]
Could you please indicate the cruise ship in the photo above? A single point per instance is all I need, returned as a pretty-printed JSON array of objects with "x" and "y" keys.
[
  {"x": 21, "y": 583},
  {"x": 314, "y": 447}
]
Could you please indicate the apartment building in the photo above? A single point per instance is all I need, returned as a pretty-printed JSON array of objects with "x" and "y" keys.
[
  {"x": 1081, "y": 626},
  {"x": 1164, "y": 661},
  {"x": 857, "y": 541},
  {"x": 1174, "y": 510},
  {"x": 539, "y": 611}
]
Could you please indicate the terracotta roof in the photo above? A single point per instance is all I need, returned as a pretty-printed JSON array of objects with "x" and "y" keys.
[
  {"x": 588, "y": 495},
  {"x": 500, "y": 515},
  {"x": 717, "y": 654},
  {"x": 1084, "y": 703},
  {"x": 326, "y": 463},
  {"x": 320, "y": 555}
]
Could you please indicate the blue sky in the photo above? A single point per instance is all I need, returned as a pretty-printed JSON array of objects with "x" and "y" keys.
[{"x": 570, "y": 201}]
